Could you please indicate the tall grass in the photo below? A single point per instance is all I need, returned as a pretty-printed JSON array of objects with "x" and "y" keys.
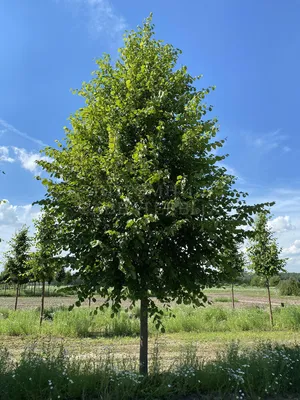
[
  {"x": 81, "y": 323},
  {"x": 43, "y": 374}
]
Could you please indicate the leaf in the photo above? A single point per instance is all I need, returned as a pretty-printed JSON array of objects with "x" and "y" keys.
[{"x": 95, "y": 243}]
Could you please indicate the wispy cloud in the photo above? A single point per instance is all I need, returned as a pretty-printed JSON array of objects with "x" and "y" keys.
[
  {"x": 268, "y": 141},
  {"x": 99, "y": 15},
  {"x": 7, "y": 128},
  {"x": 28, "y": 159},
  {"x": 4, "y": 155},
  {"x": 234, "y": 172}
]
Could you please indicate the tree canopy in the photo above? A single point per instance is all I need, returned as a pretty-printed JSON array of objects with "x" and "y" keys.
[
  {"x": 17, "y": 257},
  {"x": 264, "y": 252},
  {"x": 136, "y": 191}
]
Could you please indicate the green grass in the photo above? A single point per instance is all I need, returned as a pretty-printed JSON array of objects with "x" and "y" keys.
[
  {"x": 224, "y": 300},
  {"x": 82, "y": 323},
  {"x": 264, "y": 371}
]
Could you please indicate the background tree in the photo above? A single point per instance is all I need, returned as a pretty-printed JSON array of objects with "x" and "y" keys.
[
  {"x": 43, "y": 261},
  {"x": 236, "y": 264},
  {"x": 264, "y": 253},
  {"x": 16, "y": 260},
  {"x": 60, "y": 276},
  {"x": 136, "y": 192}
]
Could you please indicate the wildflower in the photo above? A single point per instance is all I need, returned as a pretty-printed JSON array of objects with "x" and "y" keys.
[
  {"x": 30, "y": 379},
  {"x": 169, "y": 385}
]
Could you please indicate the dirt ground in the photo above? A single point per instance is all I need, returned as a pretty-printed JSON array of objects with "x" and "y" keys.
[{"x": 245, "y": 298}]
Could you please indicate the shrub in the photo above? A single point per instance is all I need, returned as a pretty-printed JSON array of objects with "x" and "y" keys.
[
  {"x": 274, "y": 280},
  {"x": 289, "y": 287},
  {"x": 257, "y": 281}
]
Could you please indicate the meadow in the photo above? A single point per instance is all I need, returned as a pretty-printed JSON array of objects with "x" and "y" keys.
[{"x": 211, "y": 352}]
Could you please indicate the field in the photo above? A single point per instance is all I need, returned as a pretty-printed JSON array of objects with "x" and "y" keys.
[
  {"x": 202, "y": 333},
  {"x": 208, "y": 342}
]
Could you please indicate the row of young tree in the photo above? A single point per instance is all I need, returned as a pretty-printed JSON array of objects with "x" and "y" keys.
[
  {"x": 136, "y": 195},
  {"x": 22, "y": 264}
]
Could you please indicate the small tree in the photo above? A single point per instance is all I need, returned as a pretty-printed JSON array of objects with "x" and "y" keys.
[
  {"x": 237, "y": 265},
  {"x": 16, "y": 260},
  {"x": 264, "y": 253},
  {"x": 43, "y": 263},
  {"x": 136, "y": 191}
]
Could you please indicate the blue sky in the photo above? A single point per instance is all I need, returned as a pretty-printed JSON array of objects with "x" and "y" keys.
[{"x": 248, "y": 49}]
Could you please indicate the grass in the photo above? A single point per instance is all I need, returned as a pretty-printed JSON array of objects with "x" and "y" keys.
[
  {"x": 224, "y": 300},
  {"x": 236, "y": 373},
  {"x": 82, "y": 323}
]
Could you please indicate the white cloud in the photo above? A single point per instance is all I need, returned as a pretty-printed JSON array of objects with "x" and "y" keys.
[
  {"x": 16, "y": 215},
  {"x": 11, "y": 129},
  {"x": 269, "y": 141},
  {"x": 281, "y": 224},
  {"x": 99, "y": 15},
  {"x": 293, "y": 249},
  {"x": 4, "y": 155},
  {"x": 28, "y": 159}
]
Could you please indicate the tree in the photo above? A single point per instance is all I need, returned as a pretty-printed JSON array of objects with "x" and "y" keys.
[
  {"x": 136, "y": 192},
  {"x": 16, "y": 259},
  {"x": 237, "y": 264},
  {"x": 60, "y": 276},
  {"x": 264, "y": 253},
  {"x": 43, "y": 262}
]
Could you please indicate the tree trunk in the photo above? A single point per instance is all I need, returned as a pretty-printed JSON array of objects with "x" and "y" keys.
[
  {"x": 144, "y": 337},
  {"x": 270, "y": 304},
  {"x": 89, "y": 301},
  {"x": 17, "y": 296},
  {"x": 34, "y": 286},
  {"x": 232, "y": 296},
  {"x": 42, "y": 303},
  {"x": 48, "y": 289}
]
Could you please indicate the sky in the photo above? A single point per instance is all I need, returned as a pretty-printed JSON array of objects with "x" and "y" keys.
[{"x": 250, "y": 50}]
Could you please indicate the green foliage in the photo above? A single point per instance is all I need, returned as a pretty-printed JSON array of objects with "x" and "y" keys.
[
  {"x": 274, "y": 280},
  {"x": 135, "y": 191},
  {"x": 258, "y": 281},
  {"x": 224, "y": 300},
  {"x": 264, "y": 253},
  {"x": 44, "y": 261},
  {"x": 236, "y": 265},
  {"x": 16, "y": 267},
  {"x": 289, "y": 287},
  {"x": 288, "y": 275}
]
